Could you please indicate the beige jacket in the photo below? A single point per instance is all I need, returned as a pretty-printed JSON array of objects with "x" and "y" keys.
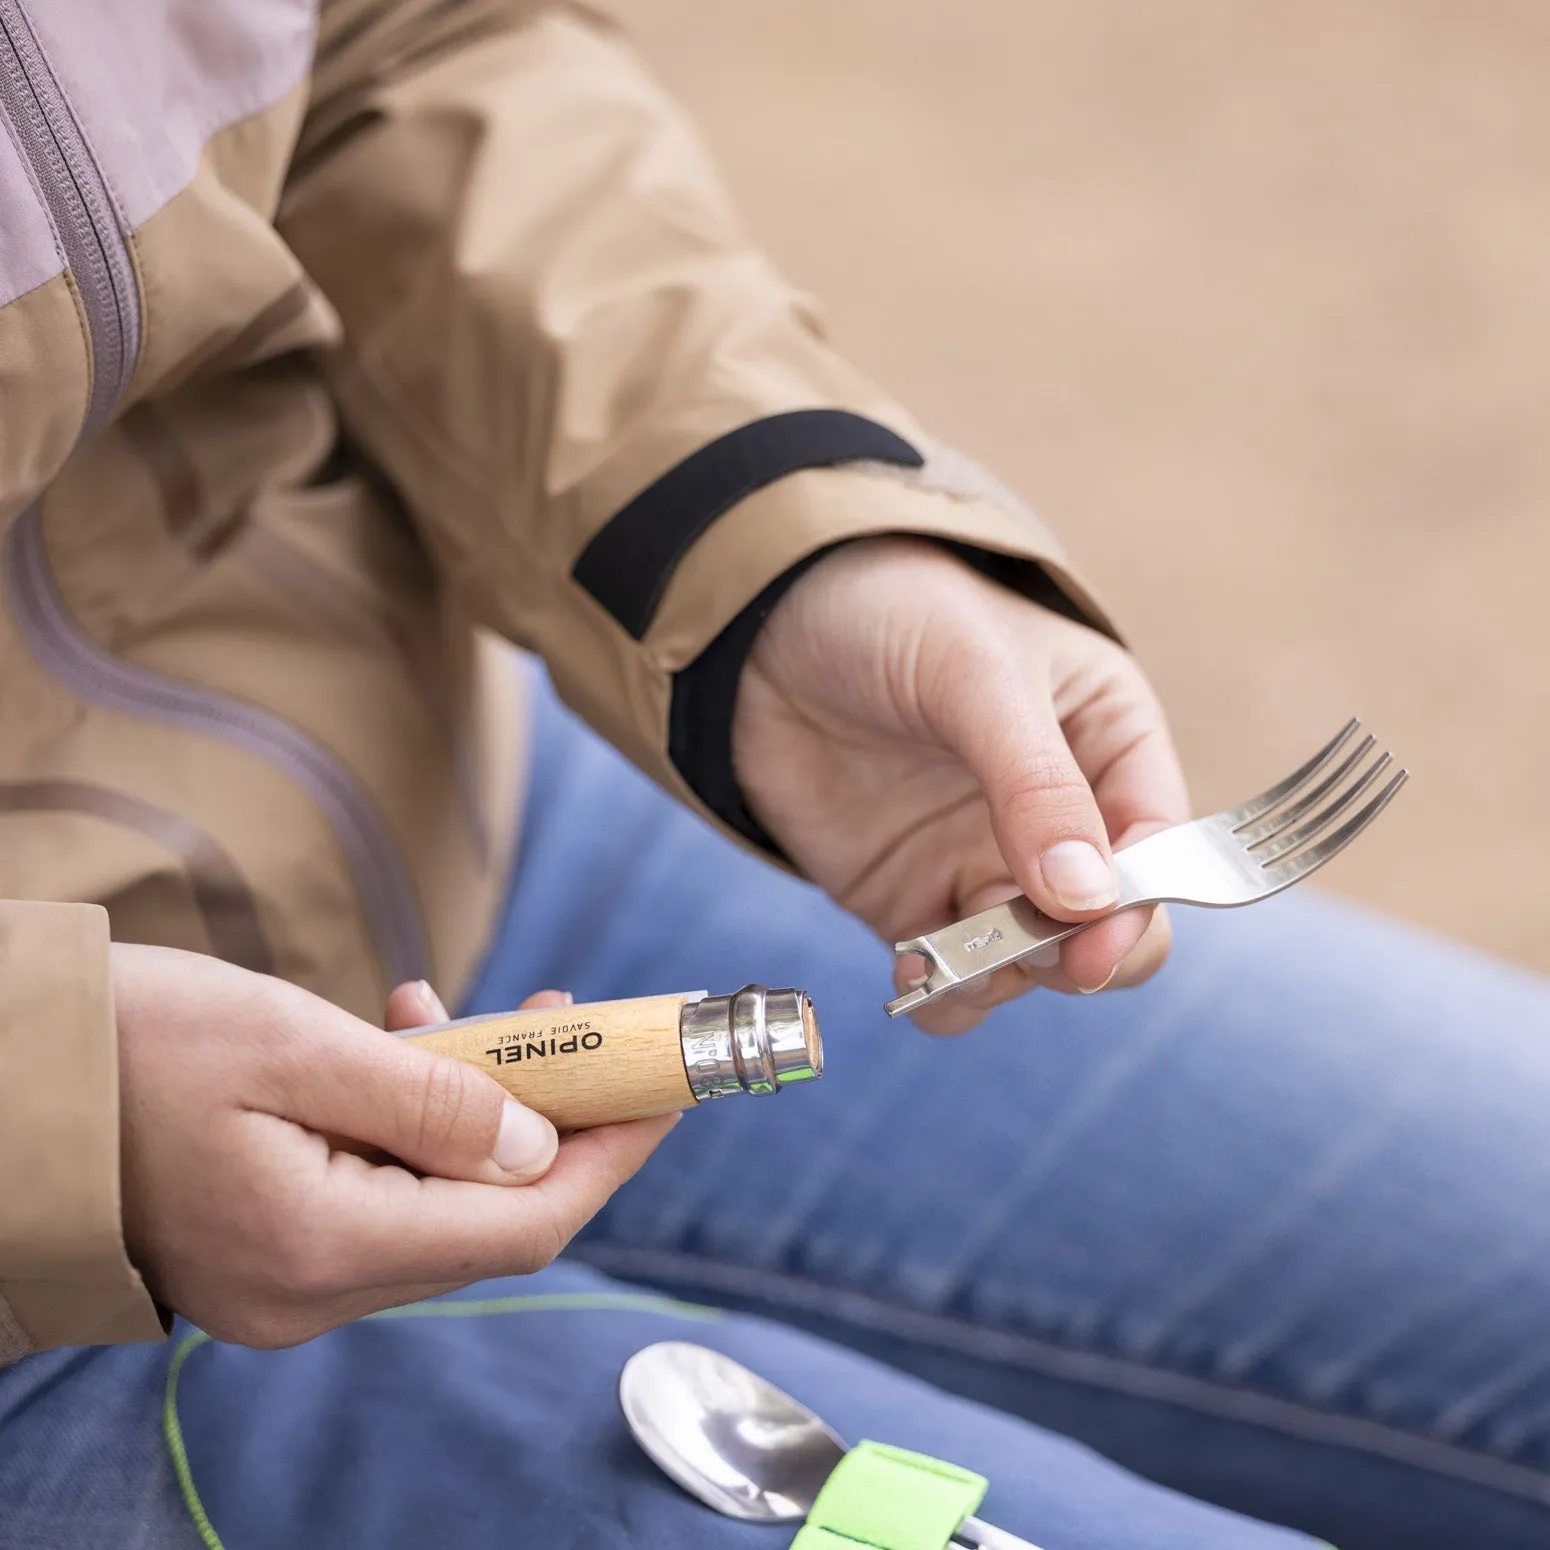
[{"x": 336, "y": 352}]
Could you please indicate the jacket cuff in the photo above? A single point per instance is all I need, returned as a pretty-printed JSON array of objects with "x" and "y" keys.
[
  {"x": 65, "y": 1278},
  {"x": 704, "y": 694},
  {"x": 704, "y": 697},
  {"x": 684, "y": 574}
]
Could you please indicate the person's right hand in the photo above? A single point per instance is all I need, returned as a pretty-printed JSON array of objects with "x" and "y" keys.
[{"x": 241, "y": 1212}]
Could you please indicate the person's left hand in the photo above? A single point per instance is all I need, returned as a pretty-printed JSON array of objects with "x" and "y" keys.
[{"x": 924, "y": 743}]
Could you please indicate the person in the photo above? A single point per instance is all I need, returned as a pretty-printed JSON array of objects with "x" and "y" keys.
[{"x": 336, "y": 361}]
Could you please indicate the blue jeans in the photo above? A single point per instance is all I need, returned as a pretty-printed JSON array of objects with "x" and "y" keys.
[{"x": 1270, "y": 1231}]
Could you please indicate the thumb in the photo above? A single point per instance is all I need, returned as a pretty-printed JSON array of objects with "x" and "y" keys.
[
  {"x": 1045, "y": 816},
  {"x": 439, "y": 1115}
]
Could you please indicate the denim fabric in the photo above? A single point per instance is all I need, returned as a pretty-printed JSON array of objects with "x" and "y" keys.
[
  {"x": 501, "y": 1429},
  {"x": 1270, "y": 1230}
]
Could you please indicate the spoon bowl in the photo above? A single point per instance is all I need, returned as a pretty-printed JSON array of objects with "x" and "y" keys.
[{"x": 737, "y": 1443}]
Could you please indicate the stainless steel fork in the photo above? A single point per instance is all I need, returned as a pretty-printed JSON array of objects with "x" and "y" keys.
[{"x": 1223, "y": 860}]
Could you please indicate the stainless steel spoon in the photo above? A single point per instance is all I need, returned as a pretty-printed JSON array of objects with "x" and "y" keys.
[{"x": 738, "y": 1443}]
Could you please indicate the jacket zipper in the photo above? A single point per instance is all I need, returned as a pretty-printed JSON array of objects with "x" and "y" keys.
[
  {"x": 74, "y": 659},
  {"x": 92, "y": 243},
  {"x": 77, "y": 198}
]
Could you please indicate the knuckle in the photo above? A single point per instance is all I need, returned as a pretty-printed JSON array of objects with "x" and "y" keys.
[
  {"x": 554, "y": 1240},
  {"x": 308, "y": 1266},
  {"x": 543, "y": 1243},
  {"x": 286, "y": 1239},
  {"x": 1048, "y": 786}
]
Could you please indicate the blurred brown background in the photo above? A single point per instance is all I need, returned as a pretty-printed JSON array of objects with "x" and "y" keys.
[{"x": 1253, "y": 300}]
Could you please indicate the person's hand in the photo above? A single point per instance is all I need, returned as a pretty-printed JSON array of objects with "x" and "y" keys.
[
  {"x": 246, "y": 1207},
  {"x": 924, "y": 743}
]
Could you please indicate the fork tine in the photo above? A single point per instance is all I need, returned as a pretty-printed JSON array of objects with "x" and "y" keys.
[
  {"x": 1256, "y": 807},
  {"x": 1319, "y": 823},
  {"x": 1284, "y": 817},
  {"x": 1312, "y": 859}
]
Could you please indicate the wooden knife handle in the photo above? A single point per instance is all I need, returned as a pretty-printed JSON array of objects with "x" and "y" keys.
[{"x": 579, "y": 1065}]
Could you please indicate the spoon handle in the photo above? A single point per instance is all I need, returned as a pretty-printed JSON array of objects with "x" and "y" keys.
[{"x": 984, "y": 1536}]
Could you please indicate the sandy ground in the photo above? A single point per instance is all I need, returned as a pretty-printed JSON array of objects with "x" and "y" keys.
[{"x": 1254, "y": 301}]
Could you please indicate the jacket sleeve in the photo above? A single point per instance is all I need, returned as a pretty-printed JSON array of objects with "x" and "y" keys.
[
  {"x": 64, "y": 1276},
  {"x": 613, "y": 421}
]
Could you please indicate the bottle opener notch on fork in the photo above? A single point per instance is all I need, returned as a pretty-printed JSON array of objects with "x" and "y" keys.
[{"x": 1227, "y": 859}]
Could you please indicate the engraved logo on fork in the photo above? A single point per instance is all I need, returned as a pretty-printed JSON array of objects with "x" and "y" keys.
[{"x": 976, "y": 944}]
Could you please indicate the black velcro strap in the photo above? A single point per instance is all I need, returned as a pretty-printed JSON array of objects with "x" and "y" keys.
[
  {"x": 630, "y": 561},
  {"x": 699, "y": 727}
]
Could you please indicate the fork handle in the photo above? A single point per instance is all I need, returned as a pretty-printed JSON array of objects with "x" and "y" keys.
[
  {"x": 978, "y": 945},
  {"x": 970, "y": 949}
]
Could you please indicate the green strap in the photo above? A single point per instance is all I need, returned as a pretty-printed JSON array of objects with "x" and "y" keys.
[{"x": 892, "y": 1500}]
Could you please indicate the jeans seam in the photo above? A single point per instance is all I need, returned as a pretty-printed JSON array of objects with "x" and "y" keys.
[{"x": 1078, "y": 1364}]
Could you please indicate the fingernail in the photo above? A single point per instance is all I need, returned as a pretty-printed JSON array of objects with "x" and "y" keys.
[
  {"x": 526, "y": 1140},
  {"x": 430, "y": 1002},
  {"x": 1078, "y": 876},
  {"x": 550, "y": 999},
  {"x": 1092, "y": 990}
]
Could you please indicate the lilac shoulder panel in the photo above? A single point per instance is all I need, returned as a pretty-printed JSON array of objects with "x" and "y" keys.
[
  {"x": 29, "y": 251},
  {"x": 151, "y": 80}
]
